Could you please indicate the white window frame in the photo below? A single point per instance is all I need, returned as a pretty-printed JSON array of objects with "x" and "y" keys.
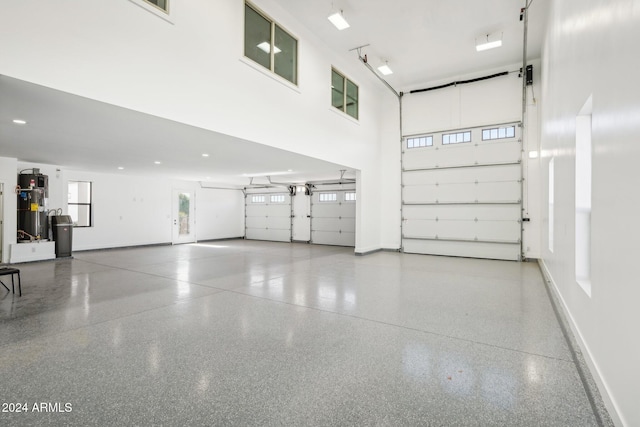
[
  {"x": 89, "y": 204},
  {"x": 350, "y": 196},
  {"x": 258, "y": 198},
  {"x": 456, "y": 137},
  {"x": 420, "y": 141},
  {"x": 501, "y": 132}
]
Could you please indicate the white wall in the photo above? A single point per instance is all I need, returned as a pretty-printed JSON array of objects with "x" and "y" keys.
[
  {"x": 193, "y": 71},
  {"x": 592, "y": 49},
  {"x": 493, "y": 101},
  {"x": 219, "y": 214},
  {"x": 8, "y": 177}
]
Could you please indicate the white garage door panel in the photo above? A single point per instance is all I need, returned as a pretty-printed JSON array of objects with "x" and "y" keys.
[
  {"x": 463, "y": 212},
  {"x": 268, "y": 221},
  {"x": 333, "y": 223},
  {"x": 486, "y": 231},
  {"x": 269, "y": 234},
  {"x": 333, "y": 238},
  {"x": 256, "y": 222},
  {"x": 463, "y": 199},
  {"x": 463, "y": 249},
  {"x": 468, "y": 174},
  {"x": 327, "y": 224},
  {"x": 482, "y": 192}
]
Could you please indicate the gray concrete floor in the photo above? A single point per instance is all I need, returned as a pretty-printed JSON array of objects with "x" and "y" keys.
[{"x": 257, "y": 333}]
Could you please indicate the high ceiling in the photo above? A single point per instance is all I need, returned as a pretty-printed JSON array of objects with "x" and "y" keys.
[
  {"x": 422, "y": 40},
  {"x": 426, "y": 40}
]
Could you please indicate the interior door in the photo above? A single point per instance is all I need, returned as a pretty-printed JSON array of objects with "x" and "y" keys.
[{"x": 183, "y": 221}]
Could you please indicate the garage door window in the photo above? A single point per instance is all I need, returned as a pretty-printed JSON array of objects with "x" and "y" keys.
[
  {"x": 350, "y": 197},
  {"x": 422, "y": 141},
  {"x": 456, "y": 138},
  {"x": 259, "y": 198},
  {"x": 328, "y": 197},
  {"x": 499, "y": 133},
  {"x": 277, "y": 198}
]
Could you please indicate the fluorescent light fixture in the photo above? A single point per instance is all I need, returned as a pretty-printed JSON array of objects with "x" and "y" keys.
[
  {"x": 488, "y": 44},
  {"x": 338, "y": 20},
  {"x": 19, "y": 122},
  {"x": 384, "y": 69},
  {"x": 266, "y": 48}
]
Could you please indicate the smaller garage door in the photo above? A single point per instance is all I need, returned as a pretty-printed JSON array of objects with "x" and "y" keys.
[
  {"x": 333, "y": 216},
  {"x": 268, "y": 216}
]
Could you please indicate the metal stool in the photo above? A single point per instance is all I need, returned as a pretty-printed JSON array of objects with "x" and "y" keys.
[{"x": 12, "y": 271}]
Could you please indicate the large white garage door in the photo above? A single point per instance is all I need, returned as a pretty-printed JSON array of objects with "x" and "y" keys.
[
  {"x": 461, "y": 193},
  {"x": 268, "y": 216},
  {"x": 333, "y": 216}
]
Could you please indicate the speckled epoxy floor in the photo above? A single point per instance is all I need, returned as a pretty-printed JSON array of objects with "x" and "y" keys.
[{"x": 257, "y": 333}]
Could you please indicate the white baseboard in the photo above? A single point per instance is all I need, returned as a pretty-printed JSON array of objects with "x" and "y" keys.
[{"x": 603, "y": 388}]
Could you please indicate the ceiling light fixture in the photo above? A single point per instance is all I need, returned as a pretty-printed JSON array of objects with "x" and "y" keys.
[
  {"x": 266, "y": 48},
  {"x": 157, "y": 162},
  {"x": 19, "y": 122},
  {"x": 337, "y": 19},
  {"x": 488, "y": 44},
  {"x": 384, "y": 69},
  {"x": 205, "y": 155},
  {"x": 120, "y": 167}
]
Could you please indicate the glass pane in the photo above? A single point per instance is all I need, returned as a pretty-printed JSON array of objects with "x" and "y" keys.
[
  {"x": 257, "y": 37},
  {"x": 286, "y": 56},
  {"x": 162, "y": 4},
  {"x": 80, "y": 214},
  {"x": 460, "y": 137},
  {"x": 467, "y": 137},
  {"x": 429, "y": 141},
  {"x": 84, "y": 192},
  {"x": 352, "y": 99},
  {"x": 337, "y": 90},
  {"x": 410, "y": 143},
  {"x": 72, "y": 196},
  {"x": 183, "y": 213},
  {"x": 502, "y": 133},
  {"x": 486, "y": 134},
  {"x": 494, "y": 133},
  {"x": 511, "y": 132},
  {"x": 445, "y": 139}
]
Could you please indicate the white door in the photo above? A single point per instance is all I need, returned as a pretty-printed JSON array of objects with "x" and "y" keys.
[
  {"x": 333, "y": 216},
  {"x": 301, "y": 222},
  {"x": 183, "y": 222},
  {"x": 268, "y": 216},
  {"x": 462, "y": 191}
]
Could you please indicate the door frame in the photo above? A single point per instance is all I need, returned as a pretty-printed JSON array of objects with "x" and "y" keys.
[{"x": 175, "y": 236}]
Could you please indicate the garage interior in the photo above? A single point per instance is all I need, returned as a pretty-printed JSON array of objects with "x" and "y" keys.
[{"x": 215, "y": 231}]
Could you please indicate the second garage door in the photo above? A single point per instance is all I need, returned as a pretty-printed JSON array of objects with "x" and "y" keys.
[{"x": 333, "y": 216}]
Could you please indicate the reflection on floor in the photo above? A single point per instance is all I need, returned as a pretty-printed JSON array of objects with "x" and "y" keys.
[{"x": 244, "y": 333}]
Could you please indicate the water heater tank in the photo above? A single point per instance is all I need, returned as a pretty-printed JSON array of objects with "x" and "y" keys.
[{"x": 33, "y": 199}]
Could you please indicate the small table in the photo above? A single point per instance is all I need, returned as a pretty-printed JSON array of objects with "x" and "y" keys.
[{"x": 12, "y": 271}]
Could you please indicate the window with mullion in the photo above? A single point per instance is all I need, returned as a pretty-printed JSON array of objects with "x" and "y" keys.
[{"x": 344, "y": 94}]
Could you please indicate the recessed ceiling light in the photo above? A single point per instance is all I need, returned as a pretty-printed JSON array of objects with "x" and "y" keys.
[
  {"x": 384, "y": 69},
  {"x": 205, "y": 155},
  {"x": 19, "y": 122},
  {"x": 266, "y": 48},
  {"x": 338, "y": 20},
  {"x": 120, "y": 167},
  {"x": 289, "y": 170},
  {"x": 157, "y": 162}
]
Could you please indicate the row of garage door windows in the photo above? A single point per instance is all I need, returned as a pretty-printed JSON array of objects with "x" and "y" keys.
[
  {"x": 325, "y": 197},
  {"x": 464, "y": 136}
]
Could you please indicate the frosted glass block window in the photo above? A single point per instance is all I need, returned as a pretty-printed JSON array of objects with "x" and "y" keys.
[
  {"x": 422, "y": 141},
  {"x": 350, "y": 197},
  {"x": 258, "y": 198},
  {"x": 79, "y": 203},
  {"x": 278, "y": 198},
  {"x": 328, "y": 197}
]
